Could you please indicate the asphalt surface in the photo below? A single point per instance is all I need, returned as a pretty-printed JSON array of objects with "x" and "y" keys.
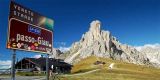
[{"x": 23, "y": 78}]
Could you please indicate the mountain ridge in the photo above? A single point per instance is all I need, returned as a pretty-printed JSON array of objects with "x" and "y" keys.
[
  {"x": 102, "y": 44},
  {"x": 152, "y": 52}
]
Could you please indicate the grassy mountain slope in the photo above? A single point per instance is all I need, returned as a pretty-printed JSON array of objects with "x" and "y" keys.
[{"x": 121, "y": 71}]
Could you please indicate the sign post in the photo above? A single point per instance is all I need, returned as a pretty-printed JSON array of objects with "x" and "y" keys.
[
  {"x": 29, "y": 31},
  {"x": 13, "y": 65},
  {"x": 47, "y": 67}
]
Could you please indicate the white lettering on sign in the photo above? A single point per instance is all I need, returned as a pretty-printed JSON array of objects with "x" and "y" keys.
[
  {"x": 25, "y": 38},
  {"x": 42, "y": 42},
  {"x": 21, "y": 9},
  {"x": 29, "y": 39},
  {"x": 23, "y": 13}
]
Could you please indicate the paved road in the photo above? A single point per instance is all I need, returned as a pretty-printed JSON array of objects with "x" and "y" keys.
[{"x": 23, "y": 78}]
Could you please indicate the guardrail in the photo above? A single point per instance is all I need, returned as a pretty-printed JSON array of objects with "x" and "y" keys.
[{"x": 5, "y": 71}]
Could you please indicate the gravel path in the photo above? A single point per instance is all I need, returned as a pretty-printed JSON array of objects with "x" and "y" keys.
[{"x": 83, "y": 73}]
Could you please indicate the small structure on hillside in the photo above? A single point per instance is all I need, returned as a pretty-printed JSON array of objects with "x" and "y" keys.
[
  {"x": 99, "y": 62},
  {"x": 39, "y": 64},
  {"x": 111, "y": 66}
]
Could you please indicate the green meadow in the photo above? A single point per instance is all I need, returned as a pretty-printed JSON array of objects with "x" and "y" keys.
[{"x": 87, "y": 70}]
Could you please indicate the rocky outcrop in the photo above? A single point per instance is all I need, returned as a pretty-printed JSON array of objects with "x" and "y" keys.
[
  {"x": 152, "y": 53},
  {"x": 102, "y": 44},
  {"x": 56, "y": 54}
]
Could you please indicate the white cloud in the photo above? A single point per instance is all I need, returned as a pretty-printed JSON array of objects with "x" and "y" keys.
[
  {"x": 64, "y": 49},
  {"x": 5, "y": 64},
  {"x": 139, "y": 48}
]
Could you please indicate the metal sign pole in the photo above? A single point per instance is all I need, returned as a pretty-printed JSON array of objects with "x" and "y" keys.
[
  {"x": 47, "y": 67},
  {"x": 13, "y": 65}
]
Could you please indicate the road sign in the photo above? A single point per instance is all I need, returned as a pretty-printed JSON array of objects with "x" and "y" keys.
[{"x": 28, "y": 30}]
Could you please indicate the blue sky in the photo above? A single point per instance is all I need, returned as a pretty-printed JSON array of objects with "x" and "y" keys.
[{"x": 133, "y": 22}]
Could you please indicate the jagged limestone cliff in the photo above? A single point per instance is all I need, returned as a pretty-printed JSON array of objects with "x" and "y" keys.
[{"x": 102, "y": 44}]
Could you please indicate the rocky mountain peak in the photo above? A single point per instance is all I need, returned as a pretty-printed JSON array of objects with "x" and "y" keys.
[
  {"x": 101, "y": 43},
  {"x": 95, "y": 26}
]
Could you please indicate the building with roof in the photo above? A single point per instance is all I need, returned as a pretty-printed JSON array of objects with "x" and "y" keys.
[{"x": 39, "y": 64}]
